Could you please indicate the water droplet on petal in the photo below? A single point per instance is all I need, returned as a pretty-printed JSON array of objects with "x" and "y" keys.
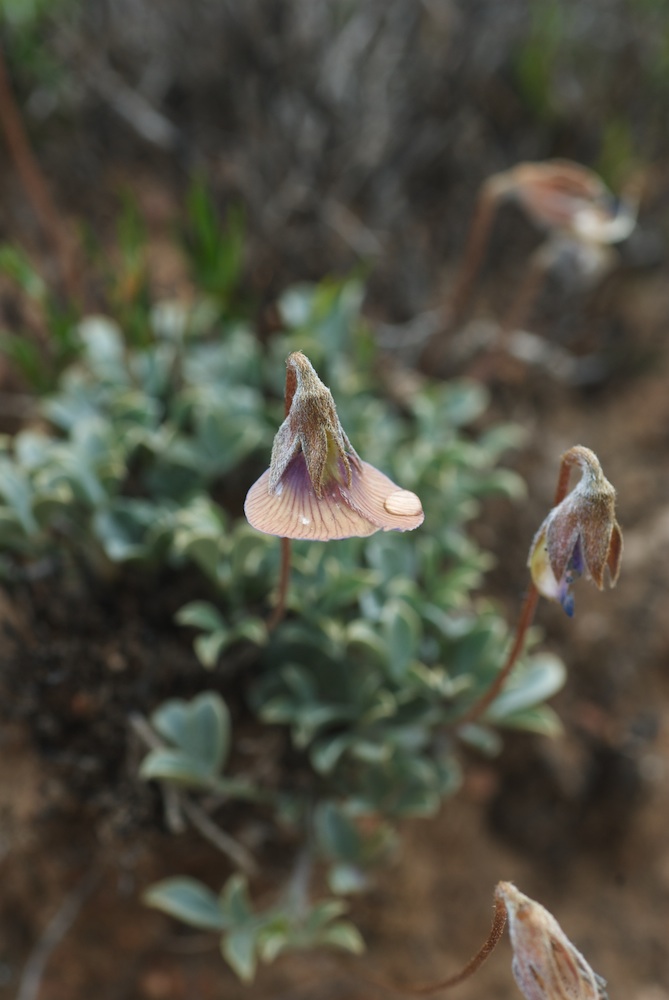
[{"x": 403, "y": 502}]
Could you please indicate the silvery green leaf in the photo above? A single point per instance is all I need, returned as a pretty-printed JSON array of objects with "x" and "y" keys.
[
  {"x": 239, "y": 950},
  {"x": 188, "y": 900},
  {"x": 337, "y": 834},
  {"x": 326, "y": 753},
  {"x": 343, "y": 935},
  {"x": 103, "y": 346},
  {"x": 200, "y": 728},
  {"x": 177, "y": 767},
  {"x": 481, "y": 738},
  {"x": 345, "y": 879},
  {"x": 401, "y": 628},
  {"x": 295, "y": 305},
  {"x": 208, "y": 648},
  {"x": 201, "y": 614},
  {"x": 539, "y": 719},
  {"x": 16, "y": 490},
  {"x": 235, "y": 899},
  {"x": 543, "y": 676}
]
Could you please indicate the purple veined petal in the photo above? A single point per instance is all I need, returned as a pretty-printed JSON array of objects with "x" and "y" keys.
[{"x": 293, "y": 510}]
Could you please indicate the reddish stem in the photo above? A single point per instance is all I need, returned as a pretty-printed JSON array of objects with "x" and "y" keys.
[
  {"x": 284, "y": 580},
  {"x": 33, "y": 182},
  {"x": 524, "y": 300},
  {"x": 524, "y": 622},
  {"x": 566, "y": 462},
  {"x": 526, "y": 615},
  {"x": 477, "y": 242},
  {"x": 488, "y": 946},
  {"x": 498, "y": 923}
]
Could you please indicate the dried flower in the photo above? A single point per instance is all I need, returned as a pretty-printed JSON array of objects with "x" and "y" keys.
[
  {"x": 546, "y": 965},
  {"x": 567, "y": 197},
  {"x": 580, "y": 535},
  {"x": 317, "y": 487}
]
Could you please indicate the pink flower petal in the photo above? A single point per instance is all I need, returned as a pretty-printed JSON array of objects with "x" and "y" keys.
[
  {"x": 380, "y": 500},
  {"x": 293, "y": 510}
]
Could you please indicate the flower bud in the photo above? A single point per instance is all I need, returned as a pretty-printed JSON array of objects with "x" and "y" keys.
[
  {"x": 579, "y": 536},
  {"x": 567, "y": 197},
  {"x": 546, "y": 965},
  {"x": 317, "y": 487}
]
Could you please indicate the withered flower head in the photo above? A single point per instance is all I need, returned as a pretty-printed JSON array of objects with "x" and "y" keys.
[
  {"x": 546, "y": 965},
  {"x": 317, "y": 487},
  {"x": 568, "y": 197},
  {"x": 580, "y": 535}
]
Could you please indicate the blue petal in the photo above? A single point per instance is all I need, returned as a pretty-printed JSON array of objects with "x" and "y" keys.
[
  {"x": 567, "y": 602},
  {"x": 576, "y": 561}
]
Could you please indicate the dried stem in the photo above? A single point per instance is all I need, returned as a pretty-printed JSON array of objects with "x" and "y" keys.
[
  {"x": 54, "y": 932},
  {"x": 525, "y": 619},
  {"x": 34, "y": 184},
  {"x": 477, "y": 242},
  {"x": 525, "y": 297}
]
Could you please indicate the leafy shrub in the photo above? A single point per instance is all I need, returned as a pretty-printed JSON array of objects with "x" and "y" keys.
[{"x": 384, "y": 646}]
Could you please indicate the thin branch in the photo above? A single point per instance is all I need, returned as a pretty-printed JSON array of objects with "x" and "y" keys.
[
  {"x": 53, "y": 934},
  {"x": 221, "y": 840},
  {"x": 178, "y": 802},
  {"x": 132, "y": 106}
]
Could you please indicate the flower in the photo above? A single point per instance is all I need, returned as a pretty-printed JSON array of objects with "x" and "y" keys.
[
  {"x": 546, "y": 965},
  {"x": 317, "y": 487},
  {"x": 579, "y": 536},
  {"x": 566, "y": 197}
]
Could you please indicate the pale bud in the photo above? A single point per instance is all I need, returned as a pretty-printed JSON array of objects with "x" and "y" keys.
[{"x": 546, "y": 965}]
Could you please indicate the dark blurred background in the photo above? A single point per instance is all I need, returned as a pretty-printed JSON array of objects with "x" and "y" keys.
[{"x": 351, "y": 131}]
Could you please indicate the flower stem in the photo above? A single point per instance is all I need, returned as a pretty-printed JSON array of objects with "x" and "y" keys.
[
  {"x": 526, "y": 615},
  {"x": 35, "y": 185},
  {"x": 498, "y": 923},
  {"x": 524, "y": 622},
  {"x": 477, "y": 242},
  {"x": 284, "y": 579}
]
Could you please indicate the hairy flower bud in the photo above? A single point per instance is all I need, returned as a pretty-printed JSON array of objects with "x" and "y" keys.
[
  {"x": 580, "y": 535},
  {"x": 546, "y": 965},
  {"x": 317, "y": 487}
]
